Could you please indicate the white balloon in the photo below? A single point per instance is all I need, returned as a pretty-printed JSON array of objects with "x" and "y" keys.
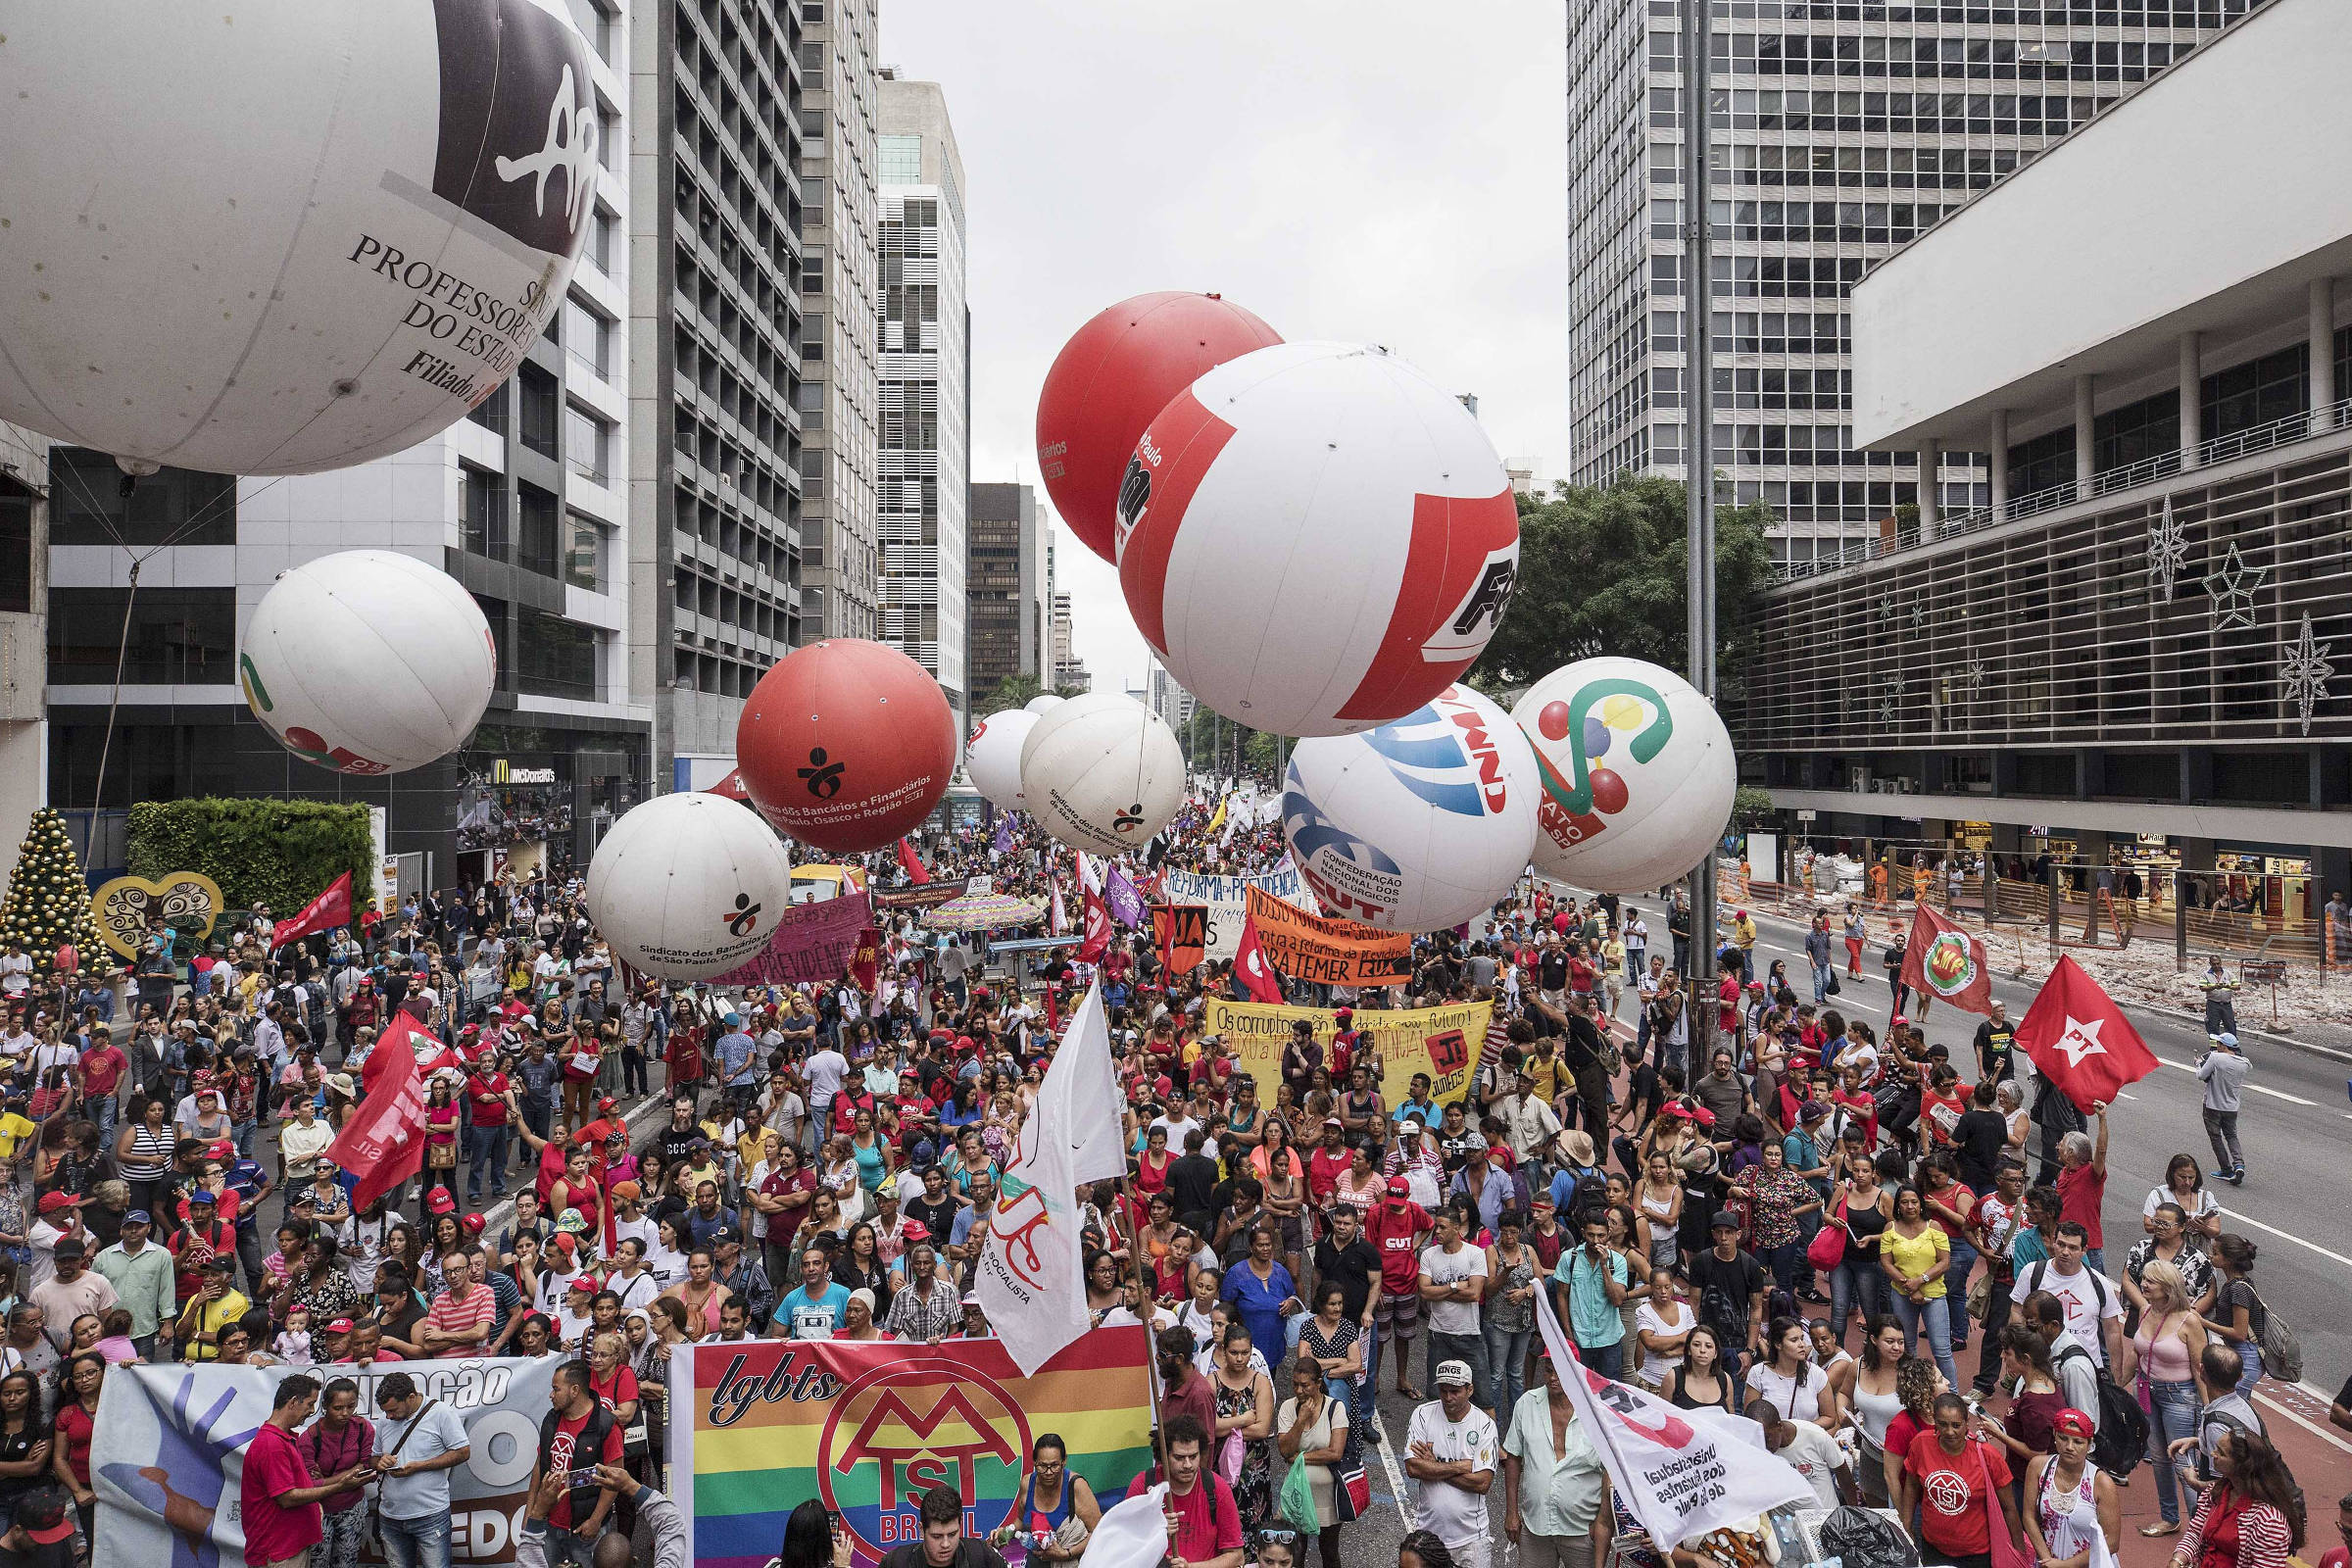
[
  {"x": 1316, "y": 538},
  {"x": 688, "y": 886},
  {"x": 993, "y": 757},
  {"x": 1042, "y": 703},
  {"x": 1416, "y": 825},
  {"x": 368, "y": 662},
  {"x": 1638, "y": 773},
  {"x": 282, "y": 235},
  {"x": 1103, "y": 772}
]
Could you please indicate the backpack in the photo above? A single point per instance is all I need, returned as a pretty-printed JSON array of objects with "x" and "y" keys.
[
  {"x": 2281, "y": 1348},
  {"x": 2123, "y": 1436}
]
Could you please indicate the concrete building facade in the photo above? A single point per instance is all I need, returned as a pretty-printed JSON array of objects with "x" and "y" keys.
[
  {"x": 24, "y": 634},
  {"x": 924, "y": 464},
  {"x": 1005, "y": 615}
]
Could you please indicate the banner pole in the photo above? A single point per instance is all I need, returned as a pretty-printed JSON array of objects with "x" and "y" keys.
[{"x": 1135, "y": 1261}]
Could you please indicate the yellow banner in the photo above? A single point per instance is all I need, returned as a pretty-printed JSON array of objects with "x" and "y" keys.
[{"x": 1441, "y": 1042}]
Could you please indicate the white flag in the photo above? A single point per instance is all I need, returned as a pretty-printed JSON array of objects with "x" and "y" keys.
[
  {"x": 1031, "y": 1279},
  {"x": 1133, "y": 1534},
  {"x": 1682, "y": 1473}
]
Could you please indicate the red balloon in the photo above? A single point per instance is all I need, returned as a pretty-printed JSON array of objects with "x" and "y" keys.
[
  {"x": 845, "y": 744},
  {"x": 1107, "y": 382}
]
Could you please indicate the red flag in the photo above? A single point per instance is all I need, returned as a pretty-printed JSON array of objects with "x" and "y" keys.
[
  {"x": 403, "y": 1031},
  {"x": 2079, "y": 1039},
  {"x": 1251, "y": 967},
  {"x": 1943, "y": 961},
  {"x": 325, "y": 912},
  {"x": 383, "y": 1143},
  {"x": 865, "y": 964},
  {"x": 1098, "y": 929},
  {"x": 912, "y": 866}
]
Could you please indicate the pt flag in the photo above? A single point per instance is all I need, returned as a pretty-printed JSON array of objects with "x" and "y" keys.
[
  {"x": 1681, "y": 1473},
  {"x": 2079, "y": 1039},
  {"x": 1250, "y": 966},
  {"x": 383, "y": 1143},
  {"x": 1099, "y": 932},
  {"x": 325, "y": 912},
  {"x": 908, "y": 863},
  {"x": 1943, "y": 961}
]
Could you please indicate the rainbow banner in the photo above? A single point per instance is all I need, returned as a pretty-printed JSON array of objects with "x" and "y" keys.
[{"x": 868, "y": 1428}]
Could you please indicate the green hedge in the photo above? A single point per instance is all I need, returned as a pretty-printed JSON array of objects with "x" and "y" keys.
[{"x": 279, "y": 853}]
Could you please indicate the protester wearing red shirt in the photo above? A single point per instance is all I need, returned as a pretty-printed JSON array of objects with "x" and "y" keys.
[
  {"x": 1954, "y": 1483},
  {"x": 575, "y": 1407},
  {"x": 279, "y": 1500},
  {"x": 1397, "y": 1227},
  {"x": 2082, "y": 1184},
  {"x": 1327, "y": 1162}
]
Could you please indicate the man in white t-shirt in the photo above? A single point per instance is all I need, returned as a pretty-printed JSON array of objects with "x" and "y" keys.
[
  {"x": 1453, "y": 1277},
  {"x": 826, "y": 1071},
  {"x": 2094, "y": 1307},
  {"x": 1451, "y": 1450},
  {"x": 1811, "y": 1451}
]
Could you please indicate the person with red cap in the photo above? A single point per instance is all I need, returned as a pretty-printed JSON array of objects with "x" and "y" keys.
[{"x": 1397, "y": 1228}]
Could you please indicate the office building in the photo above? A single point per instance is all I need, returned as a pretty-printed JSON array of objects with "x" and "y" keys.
[
  {"x": 924, "y": 465},
  {"x": 524, "y": 502},
  {"x": 2140, "y": 645},
  {"x": 1003, "y": 588},
  {"x": 840, "y": 214},
  {"x": 1167, "y": 698},
  {"x": 716, "y": 352},
  {"x": 1070, "y": 673},
  {"x": 24, "y": 634},
  {"x": 1840, "y": 132}
]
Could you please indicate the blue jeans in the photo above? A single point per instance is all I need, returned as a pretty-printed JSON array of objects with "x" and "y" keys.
[
  {"x": 1855, "y": 1285},
  {"x": 1955, "y": 1280},
  {"x": 103, "y": 1111},
  {"x": 487, "y": 1147},
  {"x": 2249, "y": 1361},
  {"x": 1782, "y": 1261},
  {"x": 2172, "y": 1413},
  {"x": 415, "y": 1543},
  {"x": 1821, "y": 981},
  {"x": 1466, "y": 1347},
  {"x": 1934, "y": 1316},
  {"x": 1506, "y": 1363},
  {"x": 241, "y": 1132},
  {"x": 1606, "y": 1359}
]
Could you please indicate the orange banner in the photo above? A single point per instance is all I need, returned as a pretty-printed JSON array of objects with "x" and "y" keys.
[{"x": 1338, "y": 953}]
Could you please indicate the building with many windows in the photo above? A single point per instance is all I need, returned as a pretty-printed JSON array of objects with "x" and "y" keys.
[
  {"x": 525, "y": 503},
  {"x": 1003, "y": 588},
  {"x": 717, "y": 350},
  {"x": 1069, "y": 670},
  {"x": 2138, "y": 647},
  {"x": 924, "y": 463},
  {"x": 839, "y": 211},
  {"x": 24, "y": 633},
  {"x": 1839, "y": 131}
]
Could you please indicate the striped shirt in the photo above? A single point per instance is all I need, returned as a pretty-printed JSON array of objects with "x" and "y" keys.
[{"x": 453, "y": 1314}]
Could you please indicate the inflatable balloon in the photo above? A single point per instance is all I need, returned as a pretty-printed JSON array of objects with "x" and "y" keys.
[
  {"x": 1110, "y": 379},
  {"x": 278, "y": 236},
  {"x": 1638, "y": 773},
  {"x": 1103, "y": 772},
  {"x": 368, "y": 662},
  {"x": 845, "y": 744},
  {"x": 1416, "y": 825},
  {"x": 1042, "y": 703},
  {"x": 688, "y": 886},
  {"x": 993, "y": 757},
  {"x": 1316, "y": 538}
]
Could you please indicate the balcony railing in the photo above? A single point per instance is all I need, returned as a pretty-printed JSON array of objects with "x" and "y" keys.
[{"x": 2306, "y": 425}]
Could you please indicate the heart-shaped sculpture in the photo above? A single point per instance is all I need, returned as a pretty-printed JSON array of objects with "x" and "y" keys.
[{"x": 190, "y": 902}]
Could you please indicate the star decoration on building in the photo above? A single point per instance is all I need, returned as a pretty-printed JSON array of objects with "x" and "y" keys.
[
  {"x": 1919, "y": 614},
  {"x": 1890, "y": 696},
  {"x": 2167, "y": 553},
  {"x": 2305, "y": 672},
  {"x": 1973, "y": 675},
  {"x": 2231, "y": 586},
  {"x": 1886, "y": 611}
]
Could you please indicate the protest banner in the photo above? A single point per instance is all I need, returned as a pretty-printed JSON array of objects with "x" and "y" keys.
[
  {"x": 1336, "y": 952},
  {"x": 929, "y": 896},
  {"x": 1181, "y": 933},
  {"x": 868, "y": 1428},
  {"x": 168, "y": 1459},
  {"x": 1227, "y": 899},
  {"x": 1441, "y": 1042},
  {"x": 811, "y": 941}
]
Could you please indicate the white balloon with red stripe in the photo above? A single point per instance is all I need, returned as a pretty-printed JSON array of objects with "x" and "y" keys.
[
  {"x": 1417, "y": 825},
  {"x": 992, "y": 758},
  {"x": 1316, "y": 538}
]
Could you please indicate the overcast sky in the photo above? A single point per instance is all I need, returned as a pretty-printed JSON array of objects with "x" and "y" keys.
[{"x": 1368, "y": 170}]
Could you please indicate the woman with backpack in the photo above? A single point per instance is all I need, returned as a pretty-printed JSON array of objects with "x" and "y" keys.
[{"x": 2238, "y": 1315}]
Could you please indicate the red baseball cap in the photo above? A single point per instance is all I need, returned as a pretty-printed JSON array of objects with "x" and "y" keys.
[
  {"x": 1398, "y": 1186},
  {"x": 607, "y": 1103}
]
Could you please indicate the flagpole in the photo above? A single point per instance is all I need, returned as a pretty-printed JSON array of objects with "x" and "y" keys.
[{"x": 1135, "y": 1261}]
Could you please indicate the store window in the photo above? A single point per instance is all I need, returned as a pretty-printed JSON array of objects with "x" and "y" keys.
[
  {"x": 555, "y": 657},
  {"x": 176, "y": 636}
]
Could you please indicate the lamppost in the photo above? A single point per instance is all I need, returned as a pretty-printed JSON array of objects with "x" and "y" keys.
[{"x": 1698, "y": 457}]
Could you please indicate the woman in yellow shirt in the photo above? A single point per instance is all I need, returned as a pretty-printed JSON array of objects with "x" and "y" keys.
[{"x": 1915, "y": 1256}]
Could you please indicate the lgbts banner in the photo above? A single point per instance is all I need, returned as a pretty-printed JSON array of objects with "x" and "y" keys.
[
  {"x": 1441, "y": 1042},
  {"x": 1227, "y": 899},
  {"x": 867, "y": 1429},
  {"x": 168, "y": 1455}
]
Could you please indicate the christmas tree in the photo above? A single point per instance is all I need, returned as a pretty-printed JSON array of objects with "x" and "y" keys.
[{"x": 48, "y": 901}]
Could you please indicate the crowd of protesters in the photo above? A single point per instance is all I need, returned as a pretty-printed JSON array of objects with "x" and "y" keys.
[{"x": 1768, "y": 1211}]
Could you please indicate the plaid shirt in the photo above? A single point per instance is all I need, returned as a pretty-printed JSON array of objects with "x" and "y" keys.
[{"x": 913, "y": 1318}]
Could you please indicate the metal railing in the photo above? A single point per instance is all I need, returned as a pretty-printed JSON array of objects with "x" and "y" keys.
[{"x": 2306, "y": 425}]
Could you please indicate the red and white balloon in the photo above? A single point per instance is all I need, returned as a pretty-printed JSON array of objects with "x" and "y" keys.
[
  {"x": 1316, "y": 538},
  {"x": 845, "y": 744}
]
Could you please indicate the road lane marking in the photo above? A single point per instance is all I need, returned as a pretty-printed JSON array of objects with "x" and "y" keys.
[
  {"x": 2287, "y": 1236},
  {"x": 2303, "y": 1421},
  {"x": 2274, "y": 1094},
  {"x": 1387, "y": 1460}
]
